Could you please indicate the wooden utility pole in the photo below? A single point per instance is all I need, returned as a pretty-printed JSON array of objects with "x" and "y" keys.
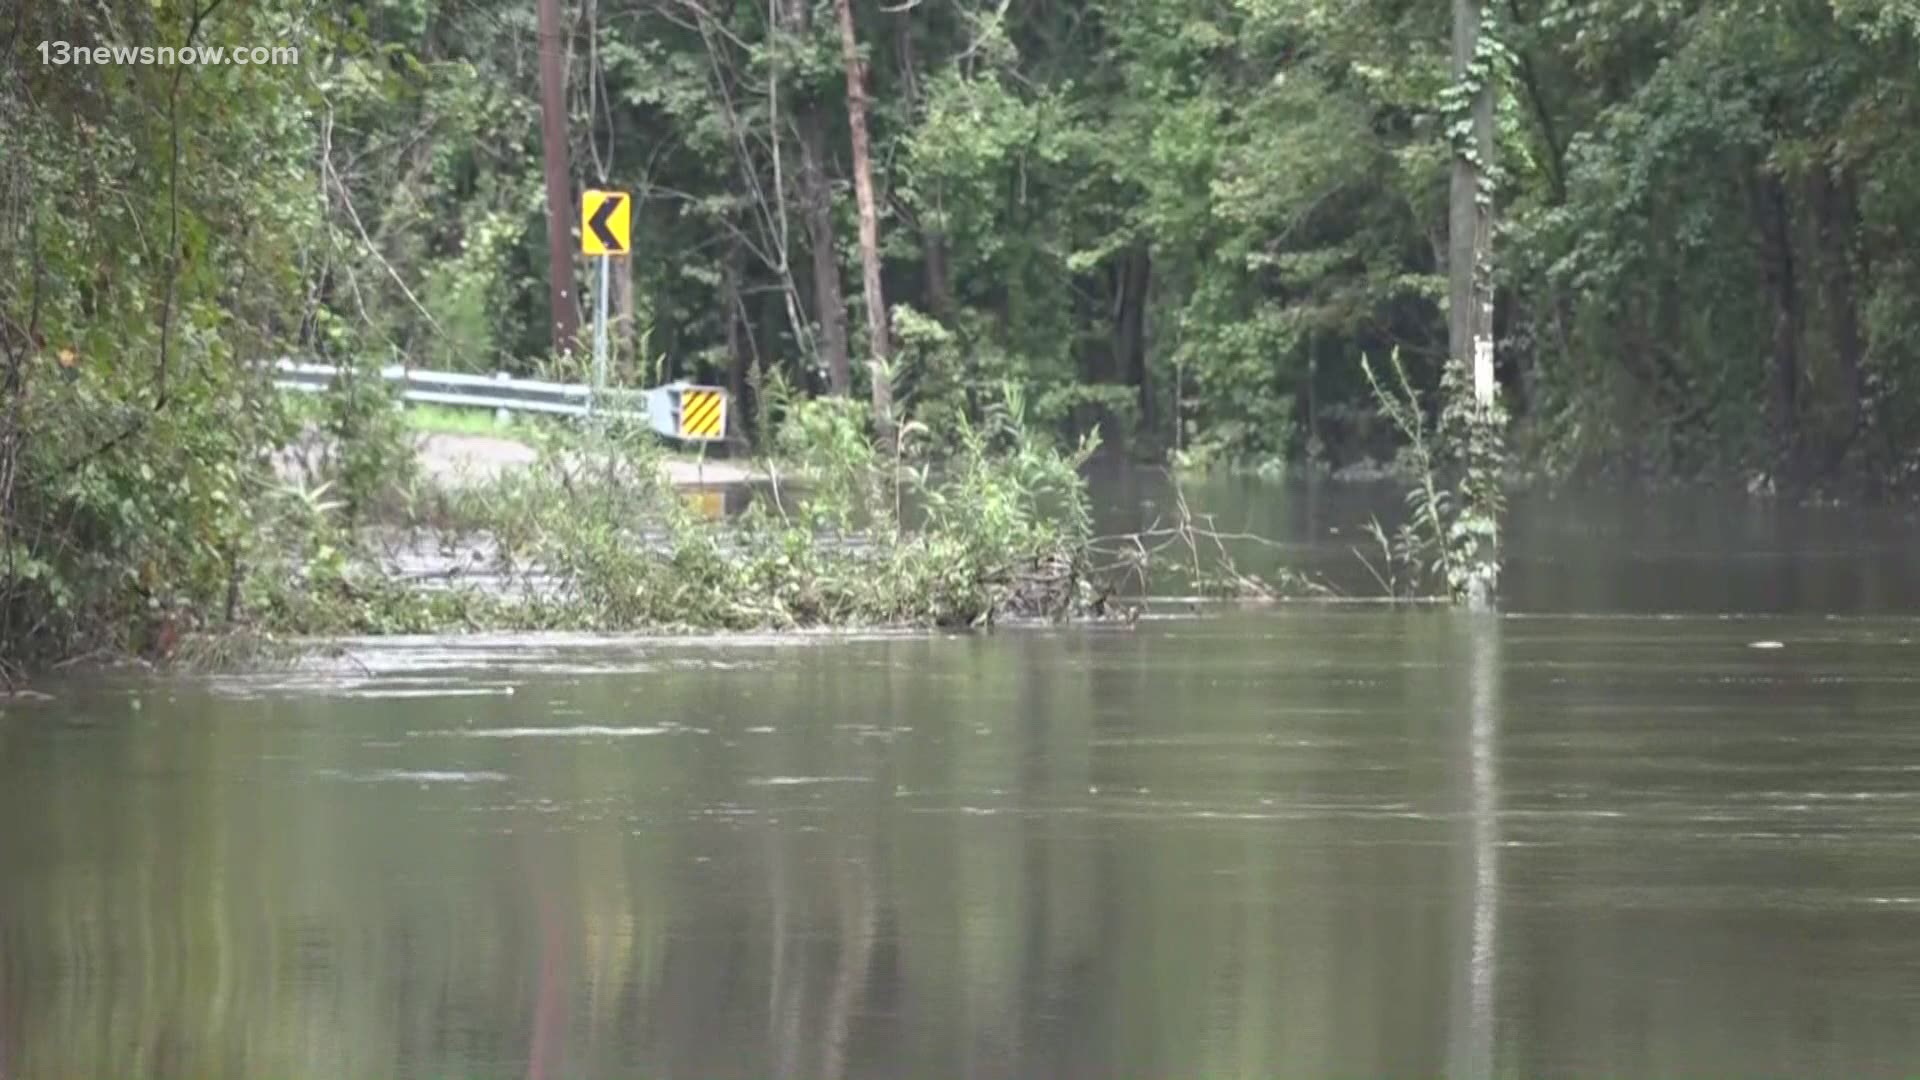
[
  {"x": 565, "y": 315},
  {"x": 1470, "y": 244},
  {"x": 877, "y": 344},
  {"x": 628, "y": 365}
]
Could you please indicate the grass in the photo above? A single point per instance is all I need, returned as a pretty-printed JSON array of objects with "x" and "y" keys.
[
  {"x": 444, "y": 419},
  {"x": 453, "y": 420}
]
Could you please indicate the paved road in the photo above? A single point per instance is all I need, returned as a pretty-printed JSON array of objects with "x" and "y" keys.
[{"x": 452, "y": 458}]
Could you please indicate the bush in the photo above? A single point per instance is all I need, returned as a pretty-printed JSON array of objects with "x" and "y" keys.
[
  {"x": 127, "y": 525},
  {"x": 595, "y": 539}
]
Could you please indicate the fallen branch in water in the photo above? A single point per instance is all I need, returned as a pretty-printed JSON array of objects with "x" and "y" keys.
[{"x": 1131, "y": 555}]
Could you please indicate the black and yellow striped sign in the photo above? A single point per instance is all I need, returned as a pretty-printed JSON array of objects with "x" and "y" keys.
[{"x": 703, "y": 413}]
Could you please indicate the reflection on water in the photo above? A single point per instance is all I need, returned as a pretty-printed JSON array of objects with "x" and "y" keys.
[
  {"x": 1254, "y": 844},
  {"x": 1474, "y": 1050}
]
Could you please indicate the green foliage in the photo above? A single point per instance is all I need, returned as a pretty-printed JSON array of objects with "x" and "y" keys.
[
  {"x": 113, "y": 547},
  {"x": 370, "y": 444},
  {"x": 460, "y": 421},
  {"x": 1745, "y": 170},
  {"x": 1163, "y": 220},
  {"x": 135, "y": 276},
  {"x": 1454, "y": 498},
  {"x": 595, "y": 539},
  {"x": 1006, "y": 490}
]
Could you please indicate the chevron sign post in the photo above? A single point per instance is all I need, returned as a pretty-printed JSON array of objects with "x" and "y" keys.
[{"x": 606, "y": 227}]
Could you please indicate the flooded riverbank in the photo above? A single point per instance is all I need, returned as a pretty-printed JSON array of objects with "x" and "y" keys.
[{"x": 1605, "y": 834}]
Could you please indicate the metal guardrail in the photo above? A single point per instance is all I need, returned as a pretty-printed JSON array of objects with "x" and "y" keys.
[{"x": 703, "y": 419}]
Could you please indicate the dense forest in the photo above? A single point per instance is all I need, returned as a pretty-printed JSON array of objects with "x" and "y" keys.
[
  {"x": 1185, "y": 219},
  {"x": 1182, "y": 222}
]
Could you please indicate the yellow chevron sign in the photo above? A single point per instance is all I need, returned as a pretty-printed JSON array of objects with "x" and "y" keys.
[
  {"x": 606, "y": 222},
  {"x": 703, "y": 413}
]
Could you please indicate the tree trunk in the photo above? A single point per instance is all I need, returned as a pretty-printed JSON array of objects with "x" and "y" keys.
[
  {"x": 1777, "y": 270},
  {"x": 564, "y": 314},
  {"x": 829, "y": 303},
  {"x": 1130, "y": 329},
  {"x": 1470, "y": 219},
  {"x": 734, "y": 315},
  {"x": 933, "y": 239},
  {"x": 939, "y": 278},
  {"x": 816, "y": 205},
  {"x": 1310, "y": 393},
  {"x": 878, "y": 345},
  {"x": 623, "y": 337},
  {"x": 1836, "y": 203},
  {"x": 1470, "y": 261}
]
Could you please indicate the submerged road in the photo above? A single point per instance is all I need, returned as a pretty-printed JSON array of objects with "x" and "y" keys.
[
  {"x": 1676, "y": 836},
  {"x": 1311, "y": 842},
  {"x": 457, "y": 458}
]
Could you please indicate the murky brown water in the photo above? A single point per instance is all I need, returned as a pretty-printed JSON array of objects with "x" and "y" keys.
[{"x": 1298, "y": 842}]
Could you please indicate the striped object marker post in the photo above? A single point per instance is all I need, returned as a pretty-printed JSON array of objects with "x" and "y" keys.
[{"x": 703, "y": 413}]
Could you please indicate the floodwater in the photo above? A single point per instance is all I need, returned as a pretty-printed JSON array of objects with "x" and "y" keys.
[{"x": 1662, "y": 818}]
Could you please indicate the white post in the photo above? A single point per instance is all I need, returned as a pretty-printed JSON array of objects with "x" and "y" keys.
[
  {"x": 1483, "y": 368},
  {"x": 1480, "y": 585}
]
